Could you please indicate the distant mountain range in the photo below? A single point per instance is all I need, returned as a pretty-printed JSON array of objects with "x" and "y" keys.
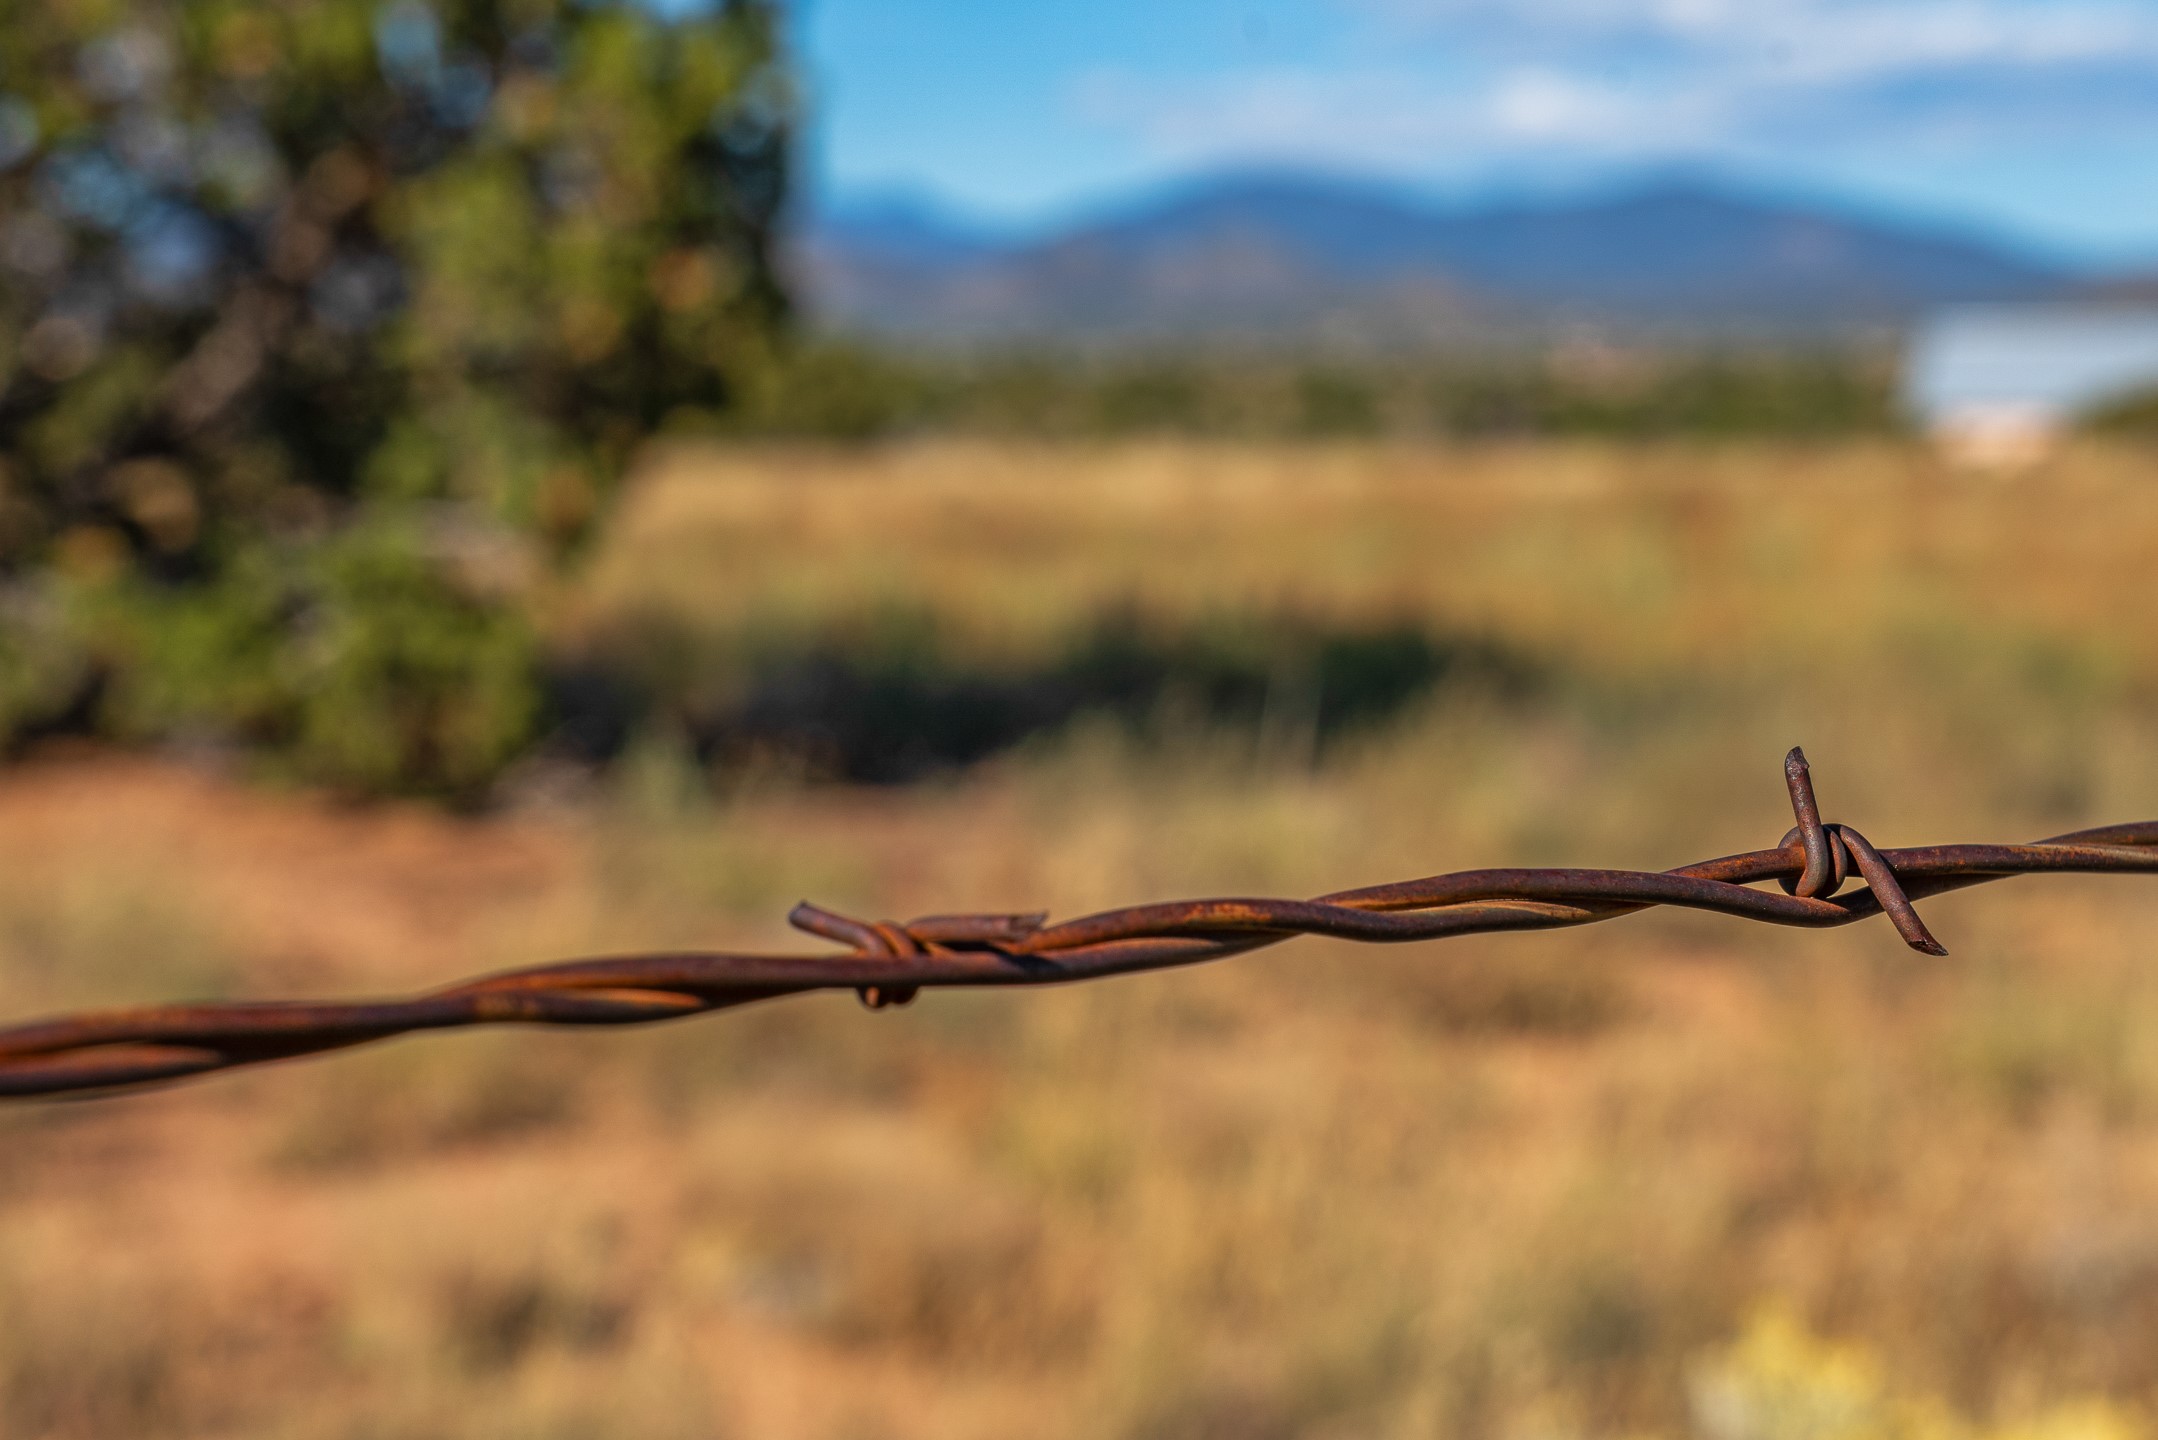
[{"x": 1287, "y": 256}]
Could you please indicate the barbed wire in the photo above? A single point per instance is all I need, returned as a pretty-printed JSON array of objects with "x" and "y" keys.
[{"x": 888, "y": 963}]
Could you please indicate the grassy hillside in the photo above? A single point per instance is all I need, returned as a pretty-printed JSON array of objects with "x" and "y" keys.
[{"x": 1597, "y": 1183}]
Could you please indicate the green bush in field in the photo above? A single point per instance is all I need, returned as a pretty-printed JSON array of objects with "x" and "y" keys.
[
  {"x": 376, "y": 657},
  {"x": 833, "y": 390},
  {"x": 2134, "y": 414},
  {"x": 298, "y": 296}
]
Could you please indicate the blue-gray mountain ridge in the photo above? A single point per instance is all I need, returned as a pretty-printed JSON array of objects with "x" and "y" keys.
[{"x": 1259, "y": 256}]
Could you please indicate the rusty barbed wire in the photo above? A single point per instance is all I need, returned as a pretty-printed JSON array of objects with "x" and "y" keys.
[{"x": 888, "y": 962}]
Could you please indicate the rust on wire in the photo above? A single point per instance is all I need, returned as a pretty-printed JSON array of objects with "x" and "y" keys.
[{"x": 887, "y": 963}]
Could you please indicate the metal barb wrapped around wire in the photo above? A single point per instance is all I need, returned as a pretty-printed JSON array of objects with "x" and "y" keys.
[{"x": 888, "y": 963}]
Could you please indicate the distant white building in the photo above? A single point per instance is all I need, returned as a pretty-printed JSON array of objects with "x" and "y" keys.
[{"x": 2001, "y": 382}]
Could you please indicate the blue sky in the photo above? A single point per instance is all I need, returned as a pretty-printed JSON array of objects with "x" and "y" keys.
[{"x": 2039, "y": 117}]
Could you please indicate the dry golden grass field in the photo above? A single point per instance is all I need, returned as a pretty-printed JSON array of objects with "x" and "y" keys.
[{"x": 1619, "y": 1181}]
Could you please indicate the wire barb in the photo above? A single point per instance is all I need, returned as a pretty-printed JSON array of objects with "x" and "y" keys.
[
  {"x": 887, "y": 963},
  {"x": 1833, "y": 851}
]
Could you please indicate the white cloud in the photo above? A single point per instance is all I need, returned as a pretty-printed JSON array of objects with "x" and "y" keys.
[
  {"x": 1540, "y": 104},
  {"x": 1601, "y": 79}
]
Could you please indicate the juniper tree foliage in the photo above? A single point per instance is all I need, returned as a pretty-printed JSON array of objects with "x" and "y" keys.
[{"x": 298, "y": 296}]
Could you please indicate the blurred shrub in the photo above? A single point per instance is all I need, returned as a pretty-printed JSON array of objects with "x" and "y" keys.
[
  {"x": 1336, "y": 402},
  {"x": 376, "y": 657},
  {"x": 407, "y": 675},
  {"x": 45, "y": 675},
  {"x": 849, "y": 389},
  {"x": 291, "y": 288},
  {"x": 2132, "y": 414},
  {"x": 1591, "y": 391},
  {"x": 833, "y": 390},
  {"x": 1151, "y": 394}
]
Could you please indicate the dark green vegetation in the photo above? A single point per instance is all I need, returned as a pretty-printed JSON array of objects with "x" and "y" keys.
[
  {"x": 2134, "y": 415},
  {"x": 325, "y": 324},
  {"x": 1584, "y": 390}
]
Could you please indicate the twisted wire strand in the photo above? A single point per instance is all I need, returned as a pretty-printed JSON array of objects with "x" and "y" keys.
[{"x": 888, "y": 963}]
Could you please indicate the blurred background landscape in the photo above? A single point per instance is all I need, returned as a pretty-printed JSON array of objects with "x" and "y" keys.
[{"x": 492, "y": 480}]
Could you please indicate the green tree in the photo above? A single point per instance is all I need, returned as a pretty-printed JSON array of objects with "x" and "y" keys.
[{"x": 269, "y": 268}]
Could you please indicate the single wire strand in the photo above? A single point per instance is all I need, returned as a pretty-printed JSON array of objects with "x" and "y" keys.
[{"x": 888, "y": 963}]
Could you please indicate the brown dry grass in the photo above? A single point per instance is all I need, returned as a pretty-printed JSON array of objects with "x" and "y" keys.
[{"x": 1502, "y": 1187}]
